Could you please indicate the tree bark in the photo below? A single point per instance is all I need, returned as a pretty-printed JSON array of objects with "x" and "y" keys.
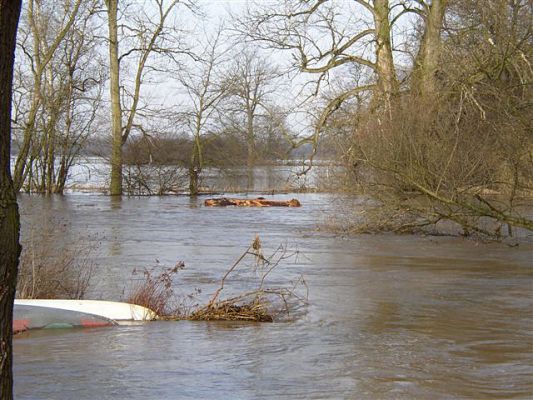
[
  {"x": 387, "y": 84},
  {"x": 9, "y": 216},
  {"x": 250, "y": 139},
  {"x": 194, "y": 171},
  {"x": 428, "y": 57},
  {"x": 115, "y": 187}
]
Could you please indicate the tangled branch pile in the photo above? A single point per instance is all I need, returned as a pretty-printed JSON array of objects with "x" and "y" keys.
[{"x": 261, "y": 304}]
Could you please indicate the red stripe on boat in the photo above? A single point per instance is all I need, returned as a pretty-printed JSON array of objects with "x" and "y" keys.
[
  {"x": 90, "y": 323},
  {"x": 20, "y": 325}
]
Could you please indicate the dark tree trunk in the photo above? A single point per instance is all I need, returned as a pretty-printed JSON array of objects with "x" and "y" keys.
[
  {"x": 194, "y": 170},
  {"x": 9, "y": 216}
]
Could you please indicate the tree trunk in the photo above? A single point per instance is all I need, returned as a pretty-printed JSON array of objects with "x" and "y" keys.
[
  {"x": 194, "y": 171},
  {"x": 194, "y": 168},
  {"x": 22, "y": 163},
  {"x": 115, "y": 187},
  {"x": 9, "y": 216},
  {"x": 250, "y": 139},
  {"x": 50, "y": 156},
  {"x": 428, "y": 57},
  {"x": 387, "y": 82},
  {"x": 193, "y": 180}
]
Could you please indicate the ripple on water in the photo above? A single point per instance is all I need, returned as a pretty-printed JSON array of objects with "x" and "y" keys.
[{"x": 390, "y": 317}]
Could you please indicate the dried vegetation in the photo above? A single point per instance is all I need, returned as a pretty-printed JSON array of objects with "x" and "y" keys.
[
  {"x": 47, "y": 271},
  {"x": 263, "y": 303}
]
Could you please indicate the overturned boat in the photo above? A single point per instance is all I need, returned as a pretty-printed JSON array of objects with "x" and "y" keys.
[
  {"x": 44, "y": 313},
  {"x": 34, "y": 317}
]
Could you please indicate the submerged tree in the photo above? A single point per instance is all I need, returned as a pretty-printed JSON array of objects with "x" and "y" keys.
[
  {"x": 9, "y": 216},
  {"x": 467, "y": 157},
  {"x": 54, "y": 119},
  {"x": 46, "y": 40},
  {"x": 205, "y": 90},
  {"x": 148, "y": 35},
  {"x": 251, "y": 81}
]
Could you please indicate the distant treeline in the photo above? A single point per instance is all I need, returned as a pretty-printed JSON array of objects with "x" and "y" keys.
[{"x": 219, "y": 151}]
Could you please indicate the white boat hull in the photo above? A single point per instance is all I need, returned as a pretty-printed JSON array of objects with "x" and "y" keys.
[{"x": 108, "y": 309}]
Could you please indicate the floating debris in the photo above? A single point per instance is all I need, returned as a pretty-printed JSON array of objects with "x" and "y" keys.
[{"x": 258, "y": 202}]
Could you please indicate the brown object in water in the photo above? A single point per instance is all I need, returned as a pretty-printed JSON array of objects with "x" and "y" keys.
[{"x": 259, "y": 202}]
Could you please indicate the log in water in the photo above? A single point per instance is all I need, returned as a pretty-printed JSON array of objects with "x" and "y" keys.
[{"x": 258, "y": 202}]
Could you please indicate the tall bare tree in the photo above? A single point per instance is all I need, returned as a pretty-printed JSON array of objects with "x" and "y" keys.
[
  {"x": 45, "y": 44},
  {"x": 205, "y": 90},
  {"x": 9, "y": 215},
  {"x": 68, "y": 97},
  {"x": 326, "y": 38},
  {"x": 148, "y": 35},
  {"x": 251, "y": 81},
  {"x": 424, "y": 81}
]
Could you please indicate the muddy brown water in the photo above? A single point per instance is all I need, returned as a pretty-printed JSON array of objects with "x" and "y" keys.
[{"x": 390, "y": 317}]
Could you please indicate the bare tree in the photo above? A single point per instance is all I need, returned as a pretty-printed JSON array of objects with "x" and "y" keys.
[
  {"x": 251, "y": 81},
  {"x": 9, "y": 215},
  {"x": 45, "y": 44},
  {"x": 467, "y": 157},
  {"x": 66, "y": 104},
  {"x": 325, "y": 39},
  {"x": 205, "y": 89},
  {"x": 148, "y": 35}
]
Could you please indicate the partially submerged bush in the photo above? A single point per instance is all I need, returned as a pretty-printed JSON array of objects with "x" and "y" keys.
[
  {"x": 261, "y": 304},
  {"x": 452, "y": 164},
  {"x": 155, "y": 291},
  {"x": 53, "y": 269},
  {"x": 154, "y": 179}
]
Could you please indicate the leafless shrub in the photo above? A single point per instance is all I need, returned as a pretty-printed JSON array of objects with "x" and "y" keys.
[
  {"x": 450, "y": 164},
  {"x": 49, "y": 271},
  {"x": 261, "y": 304},
  {"x": 155, "y": 291},
  {"x": 152, "y": 179}
]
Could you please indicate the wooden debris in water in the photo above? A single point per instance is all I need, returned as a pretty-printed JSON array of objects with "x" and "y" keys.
[
  {"x": 229, "y": 311},
  {"x": 255, "y": 305},
  {"x": 262, "y": 304},
  {"x": 258, "y": 202}
]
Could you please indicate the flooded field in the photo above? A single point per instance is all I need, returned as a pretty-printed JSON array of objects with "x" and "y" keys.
[{"x": 390, "y": 317}]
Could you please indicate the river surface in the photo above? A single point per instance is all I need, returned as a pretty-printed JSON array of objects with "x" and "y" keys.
[{"x": 389, "y": 317}]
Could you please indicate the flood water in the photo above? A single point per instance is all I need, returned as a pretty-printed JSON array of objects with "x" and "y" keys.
[{"x": 389, "y": 317}]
